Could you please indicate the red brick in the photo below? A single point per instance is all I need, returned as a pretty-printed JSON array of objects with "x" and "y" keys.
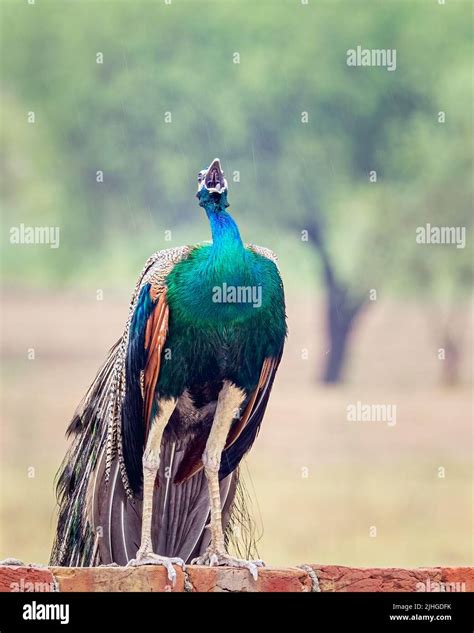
[
  {"x": 290, "y": 579},
  {"x": 16, "y": 578},
  {"x": 215, "y": 579},
  {"x": 147, "y": 578},
  {"x": 462, "y": 575},
  {"x": 353, "y": 579}
]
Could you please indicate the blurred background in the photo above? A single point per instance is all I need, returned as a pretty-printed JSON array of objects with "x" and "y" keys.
[{"x": 108, "y": 112}]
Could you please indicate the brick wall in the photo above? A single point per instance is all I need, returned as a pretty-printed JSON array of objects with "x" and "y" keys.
[{"x": 204, "y": 579}]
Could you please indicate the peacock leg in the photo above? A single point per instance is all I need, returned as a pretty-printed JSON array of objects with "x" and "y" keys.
[
  {"x": 229, "y": 401},
  {"x": 151, "y": 464}
]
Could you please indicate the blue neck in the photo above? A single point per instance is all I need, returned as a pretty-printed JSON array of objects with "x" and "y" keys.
[{"x": 225, "y": 232}]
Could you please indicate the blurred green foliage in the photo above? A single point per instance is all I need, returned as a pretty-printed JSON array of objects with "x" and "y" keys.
[{"x": 179, "y": 58}]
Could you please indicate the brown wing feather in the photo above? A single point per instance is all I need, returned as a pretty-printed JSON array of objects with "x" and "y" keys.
[
  {"x": 238, "y": 427},
  {"x": 155, "y": 337}
]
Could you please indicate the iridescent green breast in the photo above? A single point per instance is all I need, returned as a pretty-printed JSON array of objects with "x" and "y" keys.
[{"x": 227, "y": 315}]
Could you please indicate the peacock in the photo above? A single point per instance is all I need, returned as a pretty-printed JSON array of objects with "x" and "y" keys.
[{"x": 152, "y": 472}]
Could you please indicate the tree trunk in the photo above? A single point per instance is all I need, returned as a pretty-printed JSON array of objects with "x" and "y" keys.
[
  {"x": 451, "y": 365},
  {"x": 341, "y": 314},
  {"x": 338, "y": 339},
  {"x": 342, "y": 307}
]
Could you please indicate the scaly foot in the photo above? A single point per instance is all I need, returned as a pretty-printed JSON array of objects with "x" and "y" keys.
[
  {"x": 150, "y": 558},
  {"x": 213, "y": 557}
]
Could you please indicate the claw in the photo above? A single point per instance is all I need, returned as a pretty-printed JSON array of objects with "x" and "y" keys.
[
  {"x": 180, "y": 562},
  {"x": 150, "y": 558},
  {"x": 214, "y": 557}
]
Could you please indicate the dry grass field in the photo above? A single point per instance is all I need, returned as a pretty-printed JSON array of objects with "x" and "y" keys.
[{"x": 320, "y": 483}]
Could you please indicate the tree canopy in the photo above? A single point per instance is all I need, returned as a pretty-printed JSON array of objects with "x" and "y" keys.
[{"x": 147, "y": 93}]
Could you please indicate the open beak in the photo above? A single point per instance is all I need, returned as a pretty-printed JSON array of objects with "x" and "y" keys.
[{"x": 214, "y": 180}]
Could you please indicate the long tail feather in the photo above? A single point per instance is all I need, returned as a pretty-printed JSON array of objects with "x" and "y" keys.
[{"x": 74, "y": 541}]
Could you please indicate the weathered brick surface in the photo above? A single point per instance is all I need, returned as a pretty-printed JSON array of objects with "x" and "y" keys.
[
  {"x": 338, "y": 578},
  {"x": 147, "y": 578},
  {"x": 459, "y": 575},
  {"x": 218, "y": 579},
  {"x": 206, "y": 579},
  {"x": 20, "y": 578}
]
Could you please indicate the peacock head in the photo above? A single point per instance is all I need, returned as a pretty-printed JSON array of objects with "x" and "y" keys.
[{"x": 212, "y": 187}]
